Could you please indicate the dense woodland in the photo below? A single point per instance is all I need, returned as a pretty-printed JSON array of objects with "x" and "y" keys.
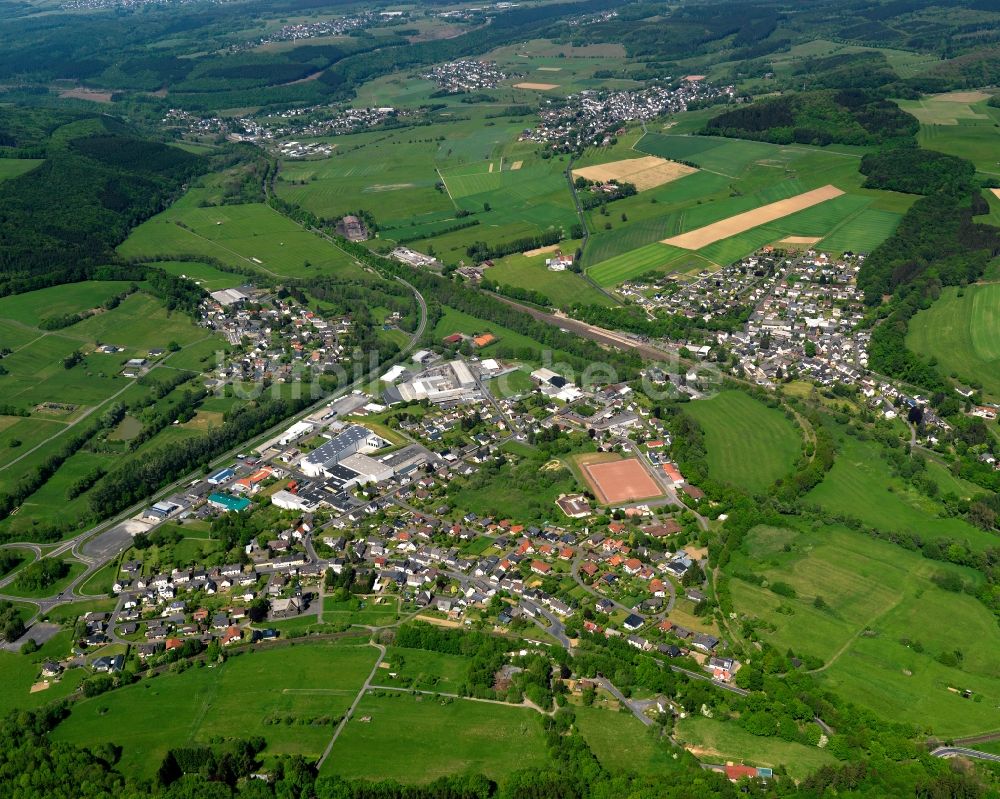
[{"x": 819, "y": 117}]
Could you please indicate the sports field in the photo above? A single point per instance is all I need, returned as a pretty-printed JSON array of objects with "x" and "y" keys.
[
  {"x": 702, "y": 237},
  {"x": 618, "y": 481},
  {"x": 416, "y": 739},
  {"x": 644, "y": 173},
  {"x": 748, "y": 443},
  {"x": 291, "y": 696},
  {"x": 880, "y": 625},
  {"x": 962, "y": 331}
]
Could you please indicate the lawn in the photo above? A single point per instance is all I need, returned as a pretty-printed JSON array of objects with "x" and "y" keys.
[
  {"x": 416, "y": 739},
  {"x": 748, "y": 443},
  {"x": 352, "y": 612},
  {"x": 723, "y": 741},
  {"x": 877, "y": 600},
  {"x": 292, "y": 696},
  {"x": 76, "y": 568},
  {"x": 962, "y": 330},
  {"x": 19, "y": 672}
]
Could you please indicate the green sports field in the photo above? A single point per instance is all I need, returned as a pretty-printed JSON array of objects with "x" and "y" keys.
[
  {"x": 311, "y": 684},
  {"x": 876, "y": 600},
  {"x": 962, "y": 330},
  {"x": 399, "y": 736},
  {"x": 748, "y": 443}
]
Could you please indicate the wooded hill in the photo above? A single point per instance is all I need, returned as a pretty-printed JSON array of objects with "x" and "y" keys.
[{"x": 849, "y": 116}]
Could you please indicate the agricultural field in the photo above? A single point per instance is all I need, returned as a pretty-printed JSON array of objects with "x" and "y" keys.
[
  {"x": 738, "y": 178},
  {"x": 861, "y": 485},
  {"x": 961, "y": 124},
  {"x": 252, "y": 235},
  {"x": 748, "y": 443},
  {"x": 719, "y": 741},
  {"x": 880, "y": 625},
  {"x": 253, "y": 694},
  {"x": 398, "y": 736},
  {"x": 962, "y": 331},
  {"x": 33, "y": 307}
]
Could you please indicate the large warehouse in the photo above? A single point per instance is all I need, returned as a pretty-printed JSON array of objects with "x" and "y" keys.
[{"x": 352, "y": 439}]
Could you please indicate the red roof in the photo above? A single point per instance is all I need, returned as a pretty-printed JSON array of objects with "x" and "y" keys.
[{"x": 739, "y": 772}]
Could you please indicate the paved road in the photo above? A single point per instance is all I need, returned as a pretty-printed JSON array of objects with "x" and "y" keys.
[{"x": 961, "y": 751}]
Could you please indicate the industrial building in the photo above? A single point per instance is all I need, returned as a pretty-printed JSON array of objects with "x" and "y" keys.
[{"x": 355, "y": 438}]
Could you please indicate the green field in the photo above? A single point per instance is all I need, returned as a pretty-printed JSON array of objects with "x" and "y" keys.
[
  {"x": 12, "y": 167},
  {"x": 860, "y": 485},
  {"x": 720, "y": 741},
  {"x": 423, "y": 670},
  {"x": 563, "y": 289},
  {"x": 400, "y": 737},
  {"x": 312, "y": 684},
  {"x": 952, "y": 124},
  {"x": 748, "y": 443},
  {"x": 208, "y": 277},
  {"x": 623, "y": 744},
  {"x": 34, "y": 306},
  {"x": 252, "y": 235},
  {"x": 962, "y": 331},
  {"x": 876, "y": 595},
  {"x": 19, "y": 672}
]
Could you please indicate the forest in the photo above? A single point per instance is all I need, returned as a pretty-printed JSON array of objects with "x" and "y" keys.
[
  {"x": 94, "y": 189},
  {"x": 846, "y": 116}
]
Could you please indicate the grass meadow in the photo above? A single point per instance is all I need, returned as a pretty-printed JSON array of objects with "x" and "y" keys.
[
  {"x": 720, "y": 741},
  {"x": 878, "y": 600},
  {"x": 962, "y": 330},
  {"x": 252, "y": 235},
  {"x": 253, "y": 694},
  {"x": 748, "y": 443},
  {"x": 562, "y": 288},
  {"x": 398, "y": 736},
  {"x": 622, "y": 744},
  {"x": 13, "y": 167},
  {"x": 861, "y": 485}
]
